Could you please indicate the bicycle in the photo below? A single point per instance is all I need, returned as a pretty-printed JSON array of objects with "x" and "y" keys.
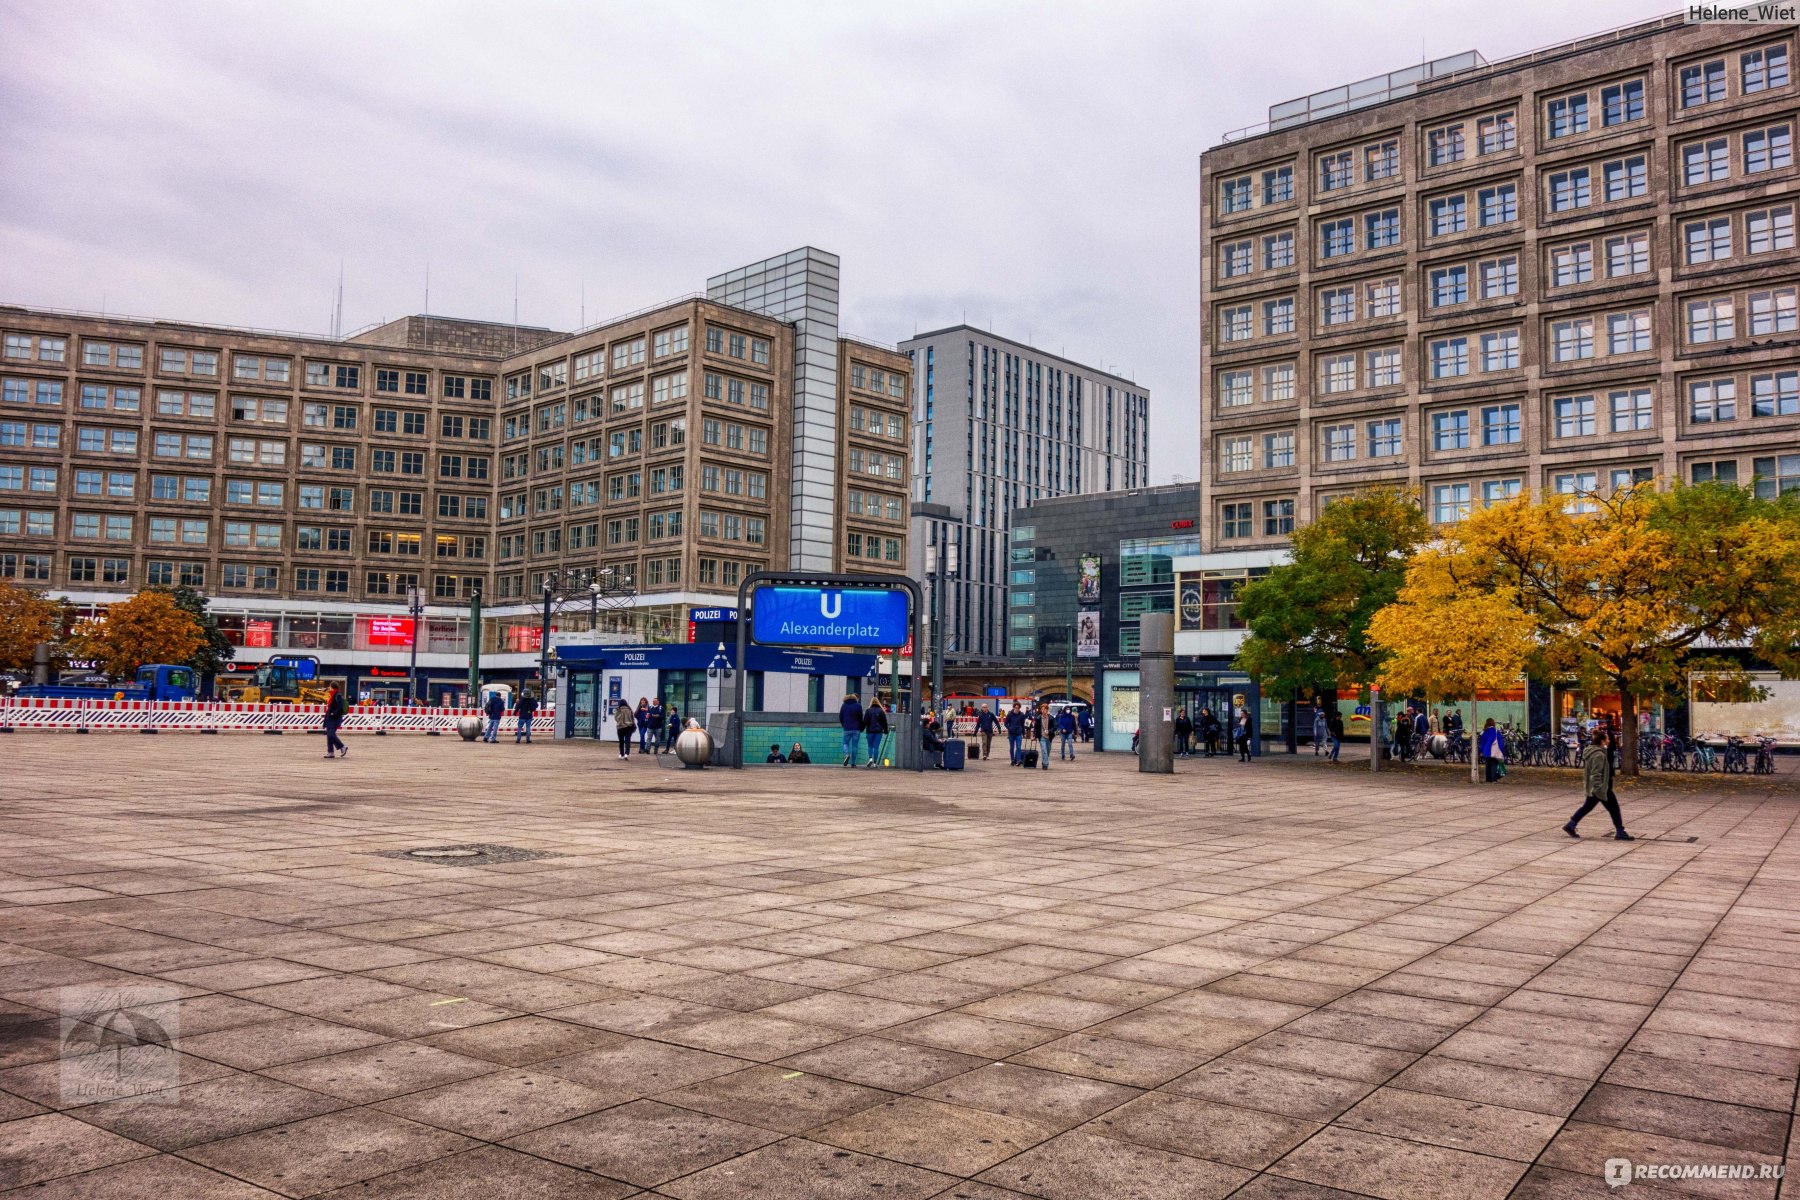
[
  {"x": 1705, "y": 758},
  {"x": 1765, "y": 756},
  {"x": 1736, "y": 762}
]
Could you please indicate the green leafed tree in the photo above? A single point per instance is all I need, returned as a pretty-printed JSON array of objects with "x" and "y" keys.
[
  {"x": 1308, "y": 619},
  {"x": 215, "y": 649}
]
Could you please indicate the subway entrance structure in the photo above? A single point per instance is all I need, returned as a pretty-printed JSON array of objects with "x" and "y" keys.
[{"x": 791, "y": 610}]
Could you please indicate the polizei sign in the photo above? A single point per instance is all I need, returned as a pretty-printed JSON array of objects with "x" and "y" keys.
[{"x": 828, "y": 616}]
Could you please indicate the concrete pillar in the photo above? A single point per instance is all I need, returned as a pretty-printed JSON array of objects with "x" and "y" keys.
[{"x": 1156, "y": 694}]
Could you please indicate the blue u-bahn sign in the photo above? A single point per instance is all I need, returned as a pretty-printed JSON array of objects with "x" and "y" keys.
[{"x": 828, "y": 616}]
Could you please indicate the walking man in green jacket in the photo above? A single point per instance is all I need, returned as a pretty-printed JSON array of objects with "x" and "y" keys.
[{"x": 1596, "y": 777}]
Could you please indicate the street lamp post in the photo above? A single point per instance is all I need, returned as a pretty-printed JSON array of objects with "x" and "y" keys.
[
  {"x": 415, "y": 606},
  {"x": 544, "y": 641},
  {"x": 943, "y": 560}
]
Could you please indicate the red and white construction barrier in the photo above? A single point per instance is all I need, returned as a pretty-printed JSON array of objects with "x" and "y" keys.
[{"x": 22, "y": 714}]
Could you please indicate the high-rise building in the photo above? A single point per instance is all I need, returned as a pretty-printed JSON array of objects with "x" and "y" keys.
[
  {"x": 1561, "y": 273},
  {"x": 308, "y": 483},
  {"x": 998, "y": 425}
]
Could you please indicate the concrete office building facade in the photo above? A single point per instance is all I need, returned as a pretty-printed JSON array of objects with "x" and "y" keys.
[
  {"x": 1562, "y": 273},
  {"x": 998, "y": 425},
  {"x": 307, "y": 483}
]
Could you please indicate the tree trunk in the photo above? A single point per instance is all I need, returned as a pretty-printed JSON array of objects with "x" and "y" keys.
[
  {"x": 1475, "y": 739},
  {"x": 1628, "y": 732}
]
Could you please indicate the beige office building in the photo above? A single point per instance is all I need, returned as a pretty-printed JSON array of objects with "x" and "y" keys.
[
  {"x": 1560, "y": 273},
  {"x": 307, "y": 484}
]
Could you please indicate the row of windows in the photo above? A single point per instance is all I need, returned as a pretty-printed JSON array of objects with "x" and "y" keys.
[
  {"x": 873, "y": 379},
  {"x": 871, "y": 546},
  {"x": 628, "y": 398}
]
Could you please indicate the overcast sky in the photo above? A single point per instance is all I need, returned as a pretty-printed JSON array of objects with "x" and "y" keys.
[{"x": 1028, "y": 166}]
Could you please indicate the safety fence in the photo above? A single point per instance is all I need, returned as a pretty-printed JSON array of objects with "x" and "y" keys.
[{"x": 31, "y": 714}]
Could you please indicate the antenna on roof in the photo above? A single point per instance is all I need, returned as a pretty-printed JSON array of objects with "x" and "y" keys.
[
  {"x": 428, "y": 302},
  {"x": 583, "y": 324},
  {"x": 515, "y": 335},
  {"x": 337, "y": 312}
]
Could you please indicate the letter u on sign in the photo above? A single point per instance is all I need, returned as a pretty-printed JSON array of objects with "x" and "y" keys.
[{"x": 831, "y": 605}]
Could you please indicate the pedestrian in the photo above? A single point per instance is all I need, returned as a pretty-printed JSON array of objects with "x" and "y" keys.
[
  {"x": 1403, "y": 736},
  {"x": 1334, "y": 725},
  {"x": 623, "y": 723},
  {"x": 658, "y": 714},
  {"x": 495, "y": 708},
  {"x": 335, "y": 709},
  {"x": 798, "y": 754},
  {"x": 1184, "y": 732},
  {"x": 1596, "y": 778},
  {"x": 1084, "y": 721},
  {"x": 931, "y": 740},
  {"x": 671, "y": 728},
  {"x": 985, "y": 724},
  {"x": 1209, "y": 731},
  {"x": 523, "y": 711},
  {"x": 775, "y": 755},
  {"x": 875, "y": 727},
  {"x": 1321, "y": 729},
  {"x": 1065, "y": 730},
  {"x": 1015, "y": 734},
  {"x": 1492, "y": 750},
  {"x": 1040, "y": 733},
  {"x": 643, "y": 724},
  {"x": 1421, "y": 731},
  {"x": 850, "y": 719},
  {"x": 1242, "y": 732}
]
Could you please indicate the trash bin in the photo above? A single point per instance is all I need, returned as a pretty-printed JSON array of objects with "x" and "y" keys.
[{"x": 955, "y": 750}]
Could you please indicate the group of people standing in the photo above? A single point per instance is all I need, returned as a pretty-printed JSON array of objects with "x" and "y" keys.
[
  {"x": 1209, "y": 729},
  {"x": 655, "y": 723},
  {"x": 861, "y": 724}
]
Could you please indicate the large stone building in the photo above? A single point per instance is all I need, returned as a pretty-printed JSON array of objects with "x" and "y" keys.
[
  {"x": 1561, "y": 273},
  {"x": 308, "y": 483},
  {"x": 998, "y": 425}
]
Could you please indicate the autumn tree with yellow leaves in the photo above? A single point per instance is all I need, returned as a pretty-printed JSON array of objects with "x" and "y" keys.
[
  {"x": 1627, "y": 592},
  {"x": 27, "y": 620},
  {"x": 148, "y": 628}
]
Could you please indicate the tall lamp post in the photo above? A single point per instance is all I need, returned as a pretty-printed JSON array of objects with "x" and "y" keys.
[
  {"x": 943, "y": 570},
  {"x": 415, "y": 605}
]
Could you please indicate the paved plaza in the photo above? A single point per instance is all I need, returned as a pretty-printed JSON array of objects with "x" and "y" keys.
[{"x": 1279, "y": 981}]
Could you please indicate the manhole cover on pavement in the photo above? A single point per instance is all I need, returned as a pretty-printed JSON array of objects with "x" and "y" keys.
[{"x": 478, "y": 854}]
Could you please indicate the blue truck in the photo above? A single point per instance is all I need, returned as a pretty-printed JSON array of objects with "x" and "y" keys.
[{"x": 154, "y": 681}]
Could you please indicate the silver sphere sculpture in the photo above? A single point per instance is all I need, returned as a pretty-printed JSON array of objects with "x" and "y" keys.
[{"x": 694, "y": 747}]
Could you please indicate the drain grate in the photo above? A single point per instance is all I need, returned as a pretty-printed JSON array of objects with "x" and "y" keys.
[{"x": 476, "y": 854}]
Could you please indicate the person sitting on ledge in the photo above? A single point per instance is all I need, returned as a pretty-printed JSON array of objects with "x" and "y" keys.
[
  {"x": 775, "y": 755},
  {"x": 798, "y": 754}
]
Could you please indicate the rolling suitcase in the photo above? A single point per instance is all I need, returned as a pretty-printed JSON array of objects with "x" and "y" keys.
[
  {"x": 955, "y": 750},
  {"x": 1030, "y": 757}
]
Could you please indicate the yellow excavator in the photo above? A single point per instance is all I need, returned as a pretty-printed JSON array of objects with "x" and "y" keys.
[{"x": 280, "y": 683}]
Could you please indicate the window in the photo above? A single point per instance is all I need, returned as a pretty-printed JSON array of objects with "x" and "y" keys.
[
  {"x": 1234, "y": 388},
  {"x": 1581, "y": 486},
  {"x": 1628, "y": 332},
  {"x": 1498, "y": 491},
  {"x": 1568, "y": 115},
  {"x": 1570, "y": 190},
  {"x": 1724, "y": 471},
  {"x": 1444, "y": 146},
  {"x": 1627, "y": 254},
  {"x": 1500, "y": 277},
  {"x": 1449, "y": 502},
  {"x": 1340, "y": 443},
  {"x": 1706, "y": 162},
  {"x": 1278, "y": 515},
  {"x": 1337, "y": 373},
  {"x": 1625, "y": 178},
  {"x": 1234, "y": 324},
  {"x": 1769, "y": 229},
  {"x": 1337, "y": 306},
  {"x": 1278, "y": 381},
  {"x": 1574, "y": 416},
  {"x": 1572, "y": 341},
  {"x": 1383, "y": 366},
  {"x": 1235, "y": 454},
  {"x": 1381, "y": 160},
  {"x": 1572, "y": 264},
  {"x": 1764, "y": 69},
  {"x": 1449, "y": 214},
  {"x": 1776, "y": 475},
  {"x": 1235, "y": 520},
  {"x": 1711, "y": 400},
  {"x": 1234, "y": 259},
  {"x": 1703, "y": 83},
  {"x": 1772, "y": 311},
  {"x": 1234, "y": 197},
  {"x": 1449, "y": 285},
  {"x": 1711, "y": 320},
  {"x": 1621, "y": 103},
  {"x": 1278, "y": 250},
  {"x": 1382, "y": 228},
  {"x": 1776, "y": 394},
  {"x": 1381, "y": 298},
  {"x": 1632, "y": 411},
  {"x": 1450, "y": 430},
  {"x": 1768, "y": 149},
  {"x": 1500, "y": 350},
  {"x": 1706, "y": 241},
  {"x": 1500, "y": 425},
  {"x": 1278, "y": 185},
  {"x": 631, "y": 353},
  {"x": 1278, "y": 449},
  {"x": 1335, "y": 171},
  {"x": 1449, "y": 357},
  {"x": 1385, "y": 438},
  {"x": 1498, "y": 133},
  {"x": 1337, "y": 238},
  {"x": 1500, "y": 204}
]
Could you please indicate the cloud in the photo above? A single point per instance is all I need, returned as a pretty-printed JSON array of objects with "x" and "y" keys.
[{"x": 1031, "y": 165}]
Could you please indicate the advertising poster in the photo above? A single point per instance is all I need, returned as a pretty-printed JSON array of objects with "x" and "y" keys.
[
  {"x": 1087, "y": 634},
  {"x": 1190, "y": 603},
  {"x": 1087, "y": 585},
  {"x": 1124, "y": 712}
]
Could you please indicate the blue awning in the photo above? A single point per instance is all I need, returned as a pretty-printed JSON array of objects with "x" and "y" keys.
[{"x": 686, "y": 656}]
